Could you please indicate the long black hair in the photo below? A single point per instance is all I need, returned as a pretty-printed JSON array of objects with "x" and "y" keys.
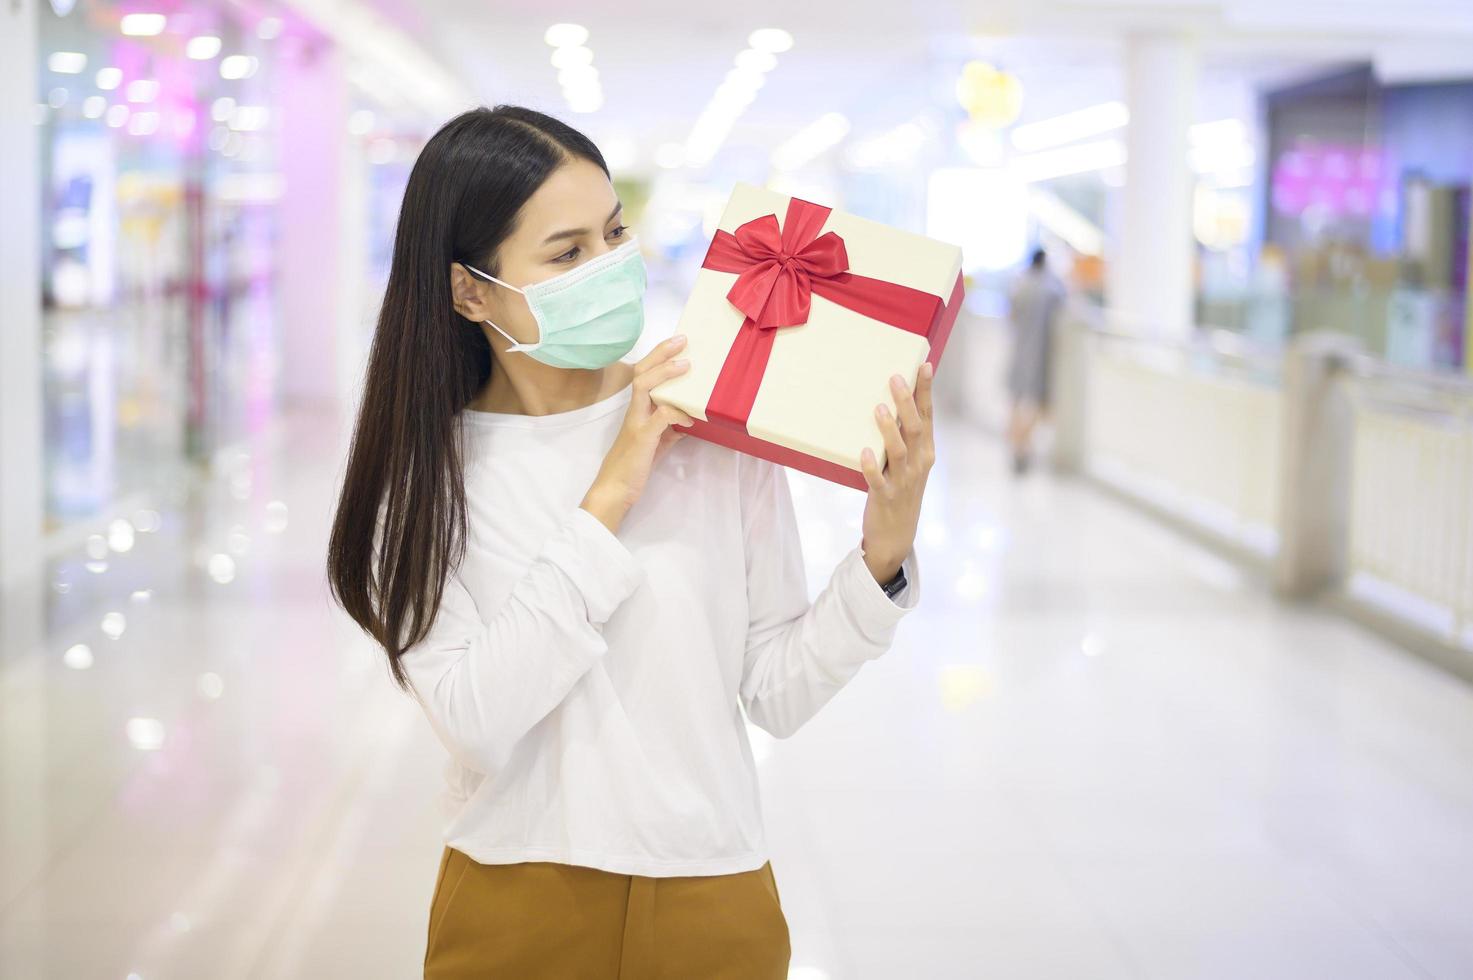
[{"x": 426, "y": 363}]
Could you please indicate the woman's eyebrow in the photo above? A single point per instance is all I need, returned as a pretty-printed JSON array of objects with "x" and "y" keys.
[{"x": 575, "y": 232}]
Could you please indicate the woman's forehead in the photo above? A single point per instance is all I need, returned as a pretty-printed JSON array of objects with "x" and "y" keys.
[{"x": 576, "y": 195}]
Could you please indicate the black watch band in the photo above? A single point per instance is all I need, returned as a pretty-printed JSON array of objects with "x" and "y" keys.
[{"x": 894, "y": 587}]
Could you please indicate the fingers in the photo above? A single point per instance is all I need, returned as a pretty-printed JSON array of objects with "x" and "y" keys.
[
  {"x": 663, "y": 351},
  {"x": 895, "y": 448},
  {"x": 926, "y": 447},
  {"x": 910, "y": 417},
  {"x": 668, "y": 415},
  {"x": 663, "y": 370},
  {"x": 870, "y": 466},
  {"x": 923, "y": 390},
  {"x": 915, "y": 417}
]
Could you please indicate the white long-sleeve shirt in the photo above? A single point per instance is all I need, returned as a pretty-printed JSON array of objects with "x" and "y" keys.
[{"x": 587, "y": 684}]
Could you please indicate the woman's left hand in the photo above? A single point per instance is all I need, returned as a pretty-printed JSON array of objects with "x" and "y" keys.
[{"x": 893, "y": 508}]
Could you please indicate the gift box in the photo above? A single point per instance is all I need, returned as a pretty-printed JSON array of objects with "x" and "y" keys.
[{"x": 798, "y": 318}]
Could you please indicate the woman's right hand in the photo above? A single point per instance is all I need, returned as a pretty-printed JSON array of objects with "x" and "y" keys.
[{"x": 644, "y": 436}]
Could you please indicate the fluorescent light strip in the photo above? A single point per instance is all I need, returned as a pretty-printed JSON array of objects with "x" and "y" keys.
[
  {"x": 1066, "y": 160},
  {"x": 1071, "y": 126},
  {"x": 732, "y": 96},
  {"x": 810, "y": 141},
  {"x": 406, "y": 69}
]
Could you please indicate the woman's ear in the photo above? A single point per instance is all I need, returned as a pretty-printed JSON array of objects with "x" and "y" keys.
[{"x": 467, "y": 294}]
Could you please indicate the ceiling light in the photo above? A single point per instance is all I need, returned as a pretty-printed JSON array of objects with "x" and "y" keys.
[
  {"x": 1071, "y": 126},
  {"x": 238, "y": 66},
  {"x": 565, "y": 35},
  {"x": 590, "y": 104},
  {"x": 117, "y": 115},
  {"x": 109, "y": 78},
  {"x": 94, "y": 106},
  {"x": 202, "y": 48},
  {"x": 67, "y": 62},
  {"x": 733, "y": 95},
  {"x": 771, "y": 39},
  {"x": 269, "y": 29},
  {"x": 578, "y": 75},
  {"x": 741, "y": 78},
  {"x": 810, "y": 141},
  {"x": 1065, "y": 160},
  {"x": 142, "y": 25},
  {"x": 569, "y": 56},
  {"x": 756, "y": 61}
]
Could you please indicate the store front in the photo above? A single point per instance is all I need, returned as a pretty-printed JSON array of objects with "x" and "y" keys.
[{"x": 159, "y": 163}]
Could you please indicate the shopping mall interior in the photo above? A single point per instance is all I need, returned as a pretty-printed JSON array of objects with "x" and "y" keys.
[{"x": 1189, "y": 689}]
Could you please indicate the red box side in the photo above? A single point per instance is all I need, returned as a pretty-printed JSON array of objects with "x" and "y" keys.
[{"x": 743, "y": 442}]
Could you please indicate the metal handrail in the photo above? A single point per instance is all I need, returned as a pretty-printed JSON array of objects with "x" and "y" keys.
[
  {"x": 1212, "y": 340},
  {"x": 1365, "y": 366}
]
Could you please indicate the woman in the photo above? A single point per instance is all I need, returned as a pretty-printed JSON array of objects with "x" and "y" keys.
[
  {"x": 1033, "y": 306},
  {"x": 579, "y": 598}
]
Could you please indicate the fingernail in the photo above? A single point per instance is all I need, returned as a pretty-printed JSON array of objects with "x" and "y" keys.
[
  {"x": 882, "y": 411},
  {"x": 928, "y": 369},
  {"x": 683, "y": 362},
  {"x": 897, "y": 380},
  {"x": 678, "y": 339}
]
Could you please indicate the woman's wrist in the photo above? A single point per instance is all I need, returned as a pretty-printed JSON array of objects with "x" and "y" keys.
[
  {"x": 882, "y": 566},
  {"x": 606, "y": 505}
]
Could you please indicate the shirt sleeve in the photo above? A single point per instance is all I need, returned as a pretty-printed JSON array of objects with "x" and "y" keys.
[
  {"x": 486, "y": 677},
  {"x": 799, "y": 654}
]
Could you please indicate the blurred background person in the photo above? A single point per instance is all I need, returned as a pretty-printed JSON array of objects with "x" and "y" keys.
[{"x": 1033, "y": 310}]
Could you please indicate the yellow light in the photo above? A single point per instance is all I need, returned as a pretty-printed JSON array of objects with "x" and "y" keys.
[{"x": 991, "y": 97}]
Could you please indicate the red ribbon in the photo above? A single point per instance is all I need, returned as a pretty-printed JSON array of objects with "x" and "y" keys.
[{"x": 777, "y": 274}]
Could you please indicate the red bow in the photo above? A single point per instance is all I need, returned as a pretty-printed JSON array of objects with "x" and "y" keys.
[
  {"x": 777, "y": 267},
  {"x": 777, "y": 273}
]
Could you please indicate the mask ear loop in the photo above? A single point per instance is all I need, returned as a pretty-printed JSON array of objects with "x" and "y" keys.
[{"x": 515, "y": 346}]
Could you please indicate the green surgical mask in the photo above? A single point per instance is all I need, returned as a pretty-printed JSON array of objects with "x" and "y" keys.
[{"x": 587, "y": 317}]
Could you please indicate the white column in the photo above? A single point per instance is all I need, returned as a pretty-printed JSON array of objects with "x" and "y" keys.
[
  {"x": 314, "y": 129},
  {"x": 21, "y": 474},
  {"x": 1149, "y": 286}
]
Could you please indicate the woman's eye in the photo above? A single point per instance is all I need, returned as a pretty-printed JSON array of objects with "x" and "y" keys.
[{"x": 572, "y": 253}]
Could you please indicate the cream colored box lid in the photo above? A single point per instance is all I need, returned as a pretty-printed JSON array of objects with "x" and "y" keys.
[{"x": 824, "y": 377}]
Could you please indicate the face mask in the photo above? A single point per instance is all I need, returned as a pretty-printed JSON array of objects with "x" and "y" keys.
[{"x": 587, "y": 317}]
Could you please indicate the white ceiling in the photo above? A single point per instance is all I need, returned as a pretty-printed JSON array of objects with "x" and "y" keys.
[{"x": 879, "y": 62}]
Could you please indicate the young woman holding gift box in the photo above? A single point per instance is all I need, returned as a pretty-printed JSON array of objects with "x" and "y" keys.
[{"x": 581, "y": 599}]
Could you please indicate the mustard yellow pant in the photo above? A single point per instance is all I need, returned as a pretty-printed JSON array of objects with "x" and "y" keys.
[{"x": 543, "y": 919}]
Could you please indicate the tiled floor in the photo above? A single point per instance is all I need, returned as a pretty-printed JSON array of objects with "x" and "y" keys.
[{"x": 1098, "y": 751}]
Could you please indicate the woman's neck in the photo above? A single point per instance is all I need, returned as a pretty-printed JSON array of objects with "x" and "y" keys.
[{"x": 529, "y": 387}]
